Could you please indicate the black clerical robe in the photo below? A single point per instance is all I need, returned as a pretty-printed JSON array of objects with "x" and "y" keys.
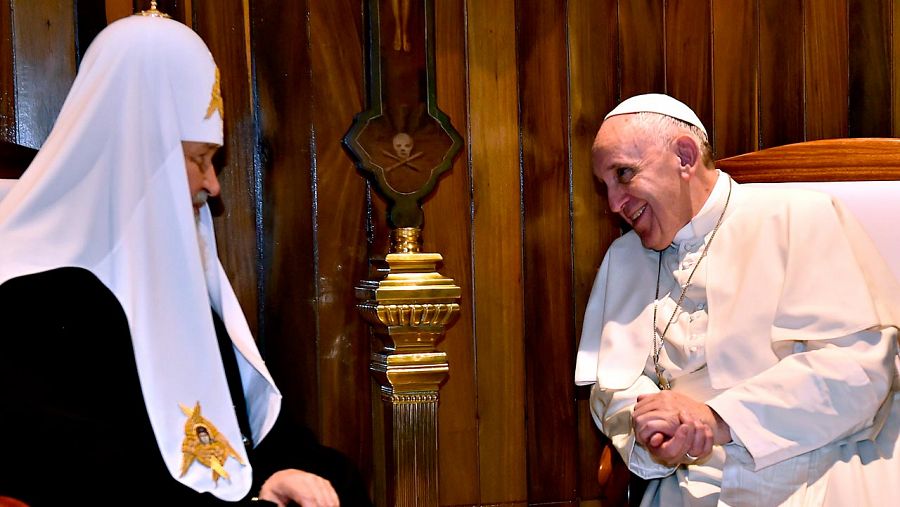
[{"x": 73, "y": 425}]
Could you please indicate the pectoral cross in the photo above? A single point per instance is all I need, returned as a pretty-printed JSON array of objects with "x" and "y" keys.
[{"x": 661, "y": 381}]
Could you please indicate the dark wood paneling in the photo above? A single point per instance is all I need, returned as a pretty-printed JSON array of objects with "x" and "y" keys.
[
  {"x": 284, "y": 118},
  {"x": 90, "y": 18},
  {"x": 44, "y": 46},
  {"x": 378, "y": 230},
  {"x": 343, "y": 346},
  {"x": 496, "y": 257},
  {"x": 895, "y": 65},
  {"x": 179, "y": 9},
  {"x": 447, "y": 230},
  {"x": 780, "y": 72},
  {"x": 549, "y": 310},
  {"x": 689, "y": 57},
  {"x": 735, "y": 57},
  {"x": 870, "y": 68},
  {"x": 826, "y": 42},
  {"x": 7, "y": 77},
  {"x": 222, "y": 27},
  {"x": 14, "y": 159},
  {"x": 641, "y": 47},
  {"x": 592, "y": 68},
  {"x": 117, "y": 9}
]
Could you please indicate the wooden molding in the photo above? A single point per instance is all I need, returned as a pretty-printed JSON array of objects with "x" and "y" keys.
[{"x": 853, "y": 159}]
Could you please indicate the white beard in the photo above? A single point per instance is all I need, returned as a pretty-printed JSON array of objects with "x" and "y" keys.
[
  {"x": 203, "y": 244},
  {"x": 206, "y": 244}
]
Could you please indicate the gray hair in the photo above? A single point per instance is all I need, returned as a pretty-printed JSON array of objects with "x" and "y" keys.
[{"x": 664, "y": 129}]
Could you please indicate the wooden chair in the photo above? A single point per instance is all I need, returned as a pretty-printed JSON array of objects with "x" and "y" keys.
[
  {"x": 830, "y": 165},
  {"x": 863, "y": 159},
  {"x": 863, "y": 173}
]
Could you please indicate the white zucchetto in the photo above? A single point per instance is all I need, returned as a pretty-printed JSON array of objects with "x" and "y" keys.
[{"x": 660, "y": 104}]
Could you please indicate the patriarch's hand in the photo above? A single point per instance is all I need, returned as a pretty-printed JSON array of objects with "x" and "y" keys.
[{"x": 303, "y": 488}]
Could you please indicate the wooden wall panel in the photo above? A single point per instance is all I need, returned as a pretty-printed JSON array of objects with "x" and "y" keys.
[
  {"x": 448, "y": 231},
  {"x": 689, "y": 57},
  {"x": 895, "y": 66},
  {"x": 735, "y": 70},
  {"x": 180, "y": 9},
  {"x": 117, "y": 9},
  {"x": 593, "y": 58},
  {"x": 548, "y": 307},
  {"x": 14, "y": 159},
  {"x": 642, "y": 66},
  {"x": 284, "y": 117},
  {"x": 343, "y": 346},
  {"x": 217, "y": 25},
  {"x": 44, "y": 47},
  {"x": 870, "y": 68},
  {"x": 826, "y": 54},
  {"x": 496, "y": 254},
  {"x": 780, "y": 72},
  {"x": 7, "y": 75},
  {"x": 90, "y": 18}
]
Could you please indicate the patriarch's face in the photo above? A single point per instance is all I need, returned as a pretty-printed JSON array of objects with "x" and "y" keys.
[{"x": 202, "y": 179}]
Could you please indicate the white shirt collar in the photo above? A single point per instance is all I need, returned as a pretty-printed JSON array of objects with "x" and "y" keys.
[{"x": 705, "y": 220}]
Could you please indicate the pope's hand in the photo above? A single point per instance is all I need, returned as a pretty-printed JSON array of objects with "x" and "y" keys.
[
  {"x": 676, "y": 428},
  {"x": 303, "y": 488}
]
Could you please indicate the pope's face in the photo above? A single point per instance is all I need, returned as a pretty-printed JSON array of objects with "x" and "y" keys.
[
  {"x": 644, "y": 181},
  {"x": 201, "y": 174}
]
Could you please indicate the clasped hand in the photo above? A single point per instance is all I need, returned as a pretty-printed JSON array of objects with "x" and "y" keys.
[{"x": 677, "y": 429}]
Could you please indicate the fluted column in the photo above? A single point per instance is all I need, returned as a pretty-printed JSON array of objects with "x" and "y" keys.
[{"x": 409, "y": 305}]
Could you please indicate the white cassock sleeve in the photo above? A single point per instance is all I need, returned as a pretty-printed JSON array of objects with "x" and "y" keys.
[
  {"x": 612, "y": 410},
  {"x": 821, "y": 393}
]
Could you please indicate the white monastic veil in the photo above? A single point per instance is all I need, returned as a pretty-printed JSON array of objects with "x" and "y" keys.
[{"x": 108, "y": 193}]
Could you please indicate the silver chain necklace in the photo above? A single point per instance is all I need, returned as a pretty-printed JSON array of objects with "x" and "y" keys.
[{"x": 659, "y": 339}]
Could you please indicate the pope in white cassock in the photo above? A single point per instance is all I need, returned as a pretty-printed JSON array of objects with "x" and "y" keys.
[{"x": 742, "y": 341}]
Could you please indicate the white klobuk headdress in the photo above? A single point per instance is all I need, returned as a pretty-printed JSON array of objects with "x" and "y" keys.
[{"x": 108, "y": 192}]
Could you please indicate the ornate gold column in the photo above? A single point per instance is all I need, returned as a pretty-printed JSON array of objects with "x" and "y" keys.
[
  {"x": 410, "y": 308},
  {"x": 403, "y": 143}
]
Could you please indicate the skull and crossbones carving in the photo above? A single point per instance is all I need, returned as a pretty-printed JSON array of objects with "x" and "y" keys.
[{"x": 403, "y": 146}]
